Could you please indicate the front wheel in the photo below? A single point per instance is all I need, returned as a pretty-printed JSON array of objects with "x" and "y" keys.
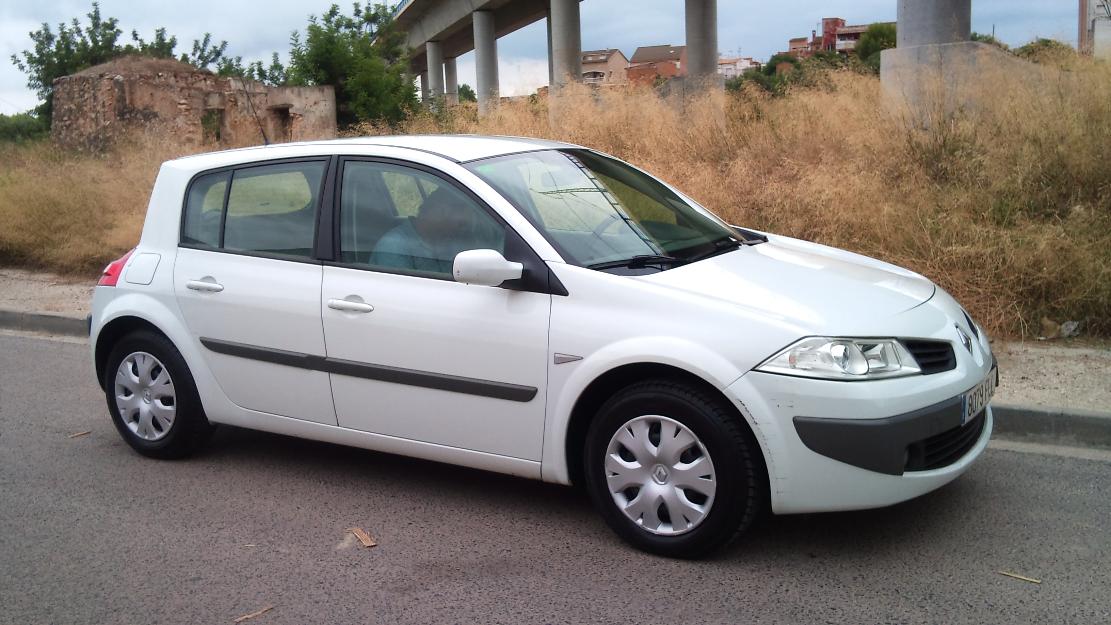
[{"x": 673, "y": 469}]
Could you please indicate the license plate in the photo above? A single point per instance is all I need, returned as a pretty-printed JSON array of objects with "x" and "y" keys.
[{"x": 976, "y": 399}]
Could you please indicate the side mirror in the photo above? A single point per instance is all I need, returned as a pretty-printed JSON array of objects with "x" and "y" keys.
[{"x": 484, "y": 267}]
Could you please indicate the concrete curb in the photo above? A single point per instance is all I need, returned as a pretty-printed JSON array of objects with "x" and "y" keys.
[
  {"x": 43, "y": 322},
  {"x": 1074, "y": 427}
]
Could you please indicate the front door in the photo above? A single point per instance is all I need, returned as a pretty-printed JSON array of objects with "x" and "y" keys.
[{"x": 414, "y": 354}]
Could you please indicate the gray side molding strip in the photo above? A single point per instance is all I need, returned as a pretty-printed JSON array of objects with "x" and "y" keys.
[{"x": 382, "y": 373}]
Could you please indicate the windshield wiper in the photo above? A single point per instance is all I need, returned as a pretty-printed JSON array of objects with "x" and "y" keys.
[
  {"x": 638, "y": 262},
  {"x": 721, "y": 246}
]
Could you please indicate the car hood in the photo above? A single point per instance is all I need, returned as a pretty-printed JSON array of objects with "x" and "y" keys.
[{"x": 815, "y": 287}]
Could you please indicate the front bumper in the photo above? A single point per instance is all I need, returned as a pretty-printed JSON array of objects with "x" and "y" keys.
[
  {"x": 857, "y": 455},
  {"x": 923, "y": 439}
]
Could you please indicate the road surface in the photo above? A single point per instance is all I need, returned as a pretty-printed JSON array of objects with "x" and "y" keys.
[{"x": 91, "y": 532}]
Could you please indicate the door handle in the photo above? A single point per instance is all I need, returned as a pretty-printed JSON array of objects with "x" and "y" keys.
[
  {"x": 350, "y": 305},
  {"x": 206, "y": 284}
]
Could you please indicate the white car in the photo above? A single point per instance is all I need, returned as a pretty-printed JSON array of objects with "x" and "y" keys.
[{"x": 543, "y": 310}]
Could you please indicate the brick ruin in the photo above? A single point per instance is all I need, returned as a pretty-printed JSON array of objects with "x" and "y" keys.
[{"x": 175, "y": 100}]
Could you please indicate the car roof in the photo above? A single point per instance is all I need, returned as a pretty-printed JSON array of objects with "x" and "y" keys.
[{"x": 458, "y": 148}]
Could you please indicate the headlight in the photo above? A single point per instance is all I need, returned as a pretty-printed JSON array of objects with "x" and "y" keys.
[{"x": 843, "y": 359}]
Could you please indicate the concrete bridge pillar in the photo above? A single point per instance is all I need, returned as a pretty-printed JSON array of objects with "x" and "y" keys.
[
  {"x": 566, "y": 43},
  {"x": 933, "y": 22},
  {"x": 451, "y": 81},
  {"x": 702, "y": 39},
  {"x": 936, "y": 69},
  {"x": 486, "y": 61},
  {"x": 551, "y": 68},
  {"x": 424, "y": 93},
  {"x": 435, "y": 55}
]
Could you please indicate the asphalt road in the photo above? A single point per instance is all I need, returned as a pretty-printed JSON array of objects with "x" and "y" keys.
[{"x": 90, "y": 532}]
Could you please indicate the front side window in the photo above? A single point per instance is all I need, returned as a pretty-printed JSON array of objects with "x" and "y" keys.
[
  {"x": 598, "y": 211},
  {"x": 398, "y": 219},
  {"x": 270, "y": 209}
]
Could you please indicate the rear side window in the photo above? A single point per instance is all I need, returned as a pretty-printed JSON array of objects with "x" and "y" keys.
[{"x": 269, "y": 209}]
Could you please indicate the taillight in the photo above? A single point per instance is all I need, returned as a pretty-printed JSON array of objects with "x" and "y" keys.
[{"x": 111, "y": 274}]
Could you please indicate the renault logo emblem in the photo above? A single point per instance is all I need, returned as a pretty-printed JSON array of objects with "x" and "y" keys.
[
  {"x": 660, "y": 474},
  {"x": 965, "y": 339}
]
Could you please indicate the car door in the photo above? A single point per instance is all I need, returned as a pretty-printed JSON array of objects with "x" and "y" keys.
[
  {"x": 414, "y": 354},
  {"x": 248, "y": 285}
]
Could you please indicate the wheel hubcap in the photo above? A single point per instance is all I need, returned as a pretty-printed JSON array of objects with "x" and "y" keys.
[
  {"x": 660, "y": 475},
  {"x": 145, "y": 396}
]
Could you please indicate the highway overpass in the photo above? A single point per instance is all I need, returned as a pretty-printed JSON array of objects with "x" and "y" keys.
[{"x": 441, "y": 30}]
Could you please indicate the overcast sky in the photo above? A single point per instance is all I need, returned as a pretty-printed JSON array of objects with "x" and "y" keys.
[{"x": 755, "y": 28}]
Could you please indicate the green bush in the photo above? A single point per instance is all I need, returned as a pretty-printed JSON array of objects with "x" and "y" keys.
[{"x": 21, "y": 127}]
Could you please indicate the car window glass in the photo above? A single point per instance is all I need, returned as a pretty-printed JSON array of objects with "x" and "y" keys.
[
  {"x": 272, "y": 208},
  {"x": 398, "y": 219},
  {"x": 596, "y": 210},
  {"x": 203, "y": 209}
]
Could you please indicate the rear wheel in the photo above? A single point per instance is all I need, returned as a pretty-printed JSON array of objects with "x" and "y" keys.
[
  {"x": 152, "y": 398},
  {"x": 672, "y": 469}
]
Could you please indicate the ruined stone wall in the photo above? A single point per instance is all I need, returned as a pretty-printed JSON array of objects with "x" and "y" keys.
[{"x": 174, "y": 101}]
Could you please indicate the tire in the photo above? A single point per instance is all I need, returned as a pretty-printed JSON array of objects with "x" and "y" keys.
[
  {"x": 158, "y": 419},
  {"x": 675, "y": 512}
]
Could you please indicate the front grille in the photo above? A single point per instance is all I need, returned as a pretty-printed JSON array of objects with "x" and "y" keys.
[
  {"x": 942, "y": 450},
  {"x": 932, "y": 356}
]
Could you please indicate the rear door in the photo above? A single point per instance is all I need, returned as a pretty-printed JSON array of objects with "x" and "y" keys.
[{"x": 249, "y": 287}]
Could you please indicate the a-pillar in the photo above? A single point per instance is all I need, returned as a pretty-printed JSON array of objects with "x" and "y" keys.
[
  {"x": 566, "y": 46},
  {"x": 486, "y": 61},
  {"x": 435, "y": 56},
  {"x": 702, "y": 39},
  {"x": 451, "y": 82}
]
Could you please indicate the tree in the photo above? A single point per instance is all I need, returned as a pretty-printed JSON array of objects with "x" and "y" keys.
[
  {"x": 363, "y": 56},
  {"x": 990, "y": 40},
  {"x": 162, "y": 46},
  {"x": 206, "y": 53},
  {"x": 466, "y": 94},
  {"x": 73, "y": 48},
  {"x": 879, "y": 37},
  {"x": 1043, "y": 50},
  {"x": 771, "y": 68},
  {"x": 76, "y": 46},
  {"x": 21, "y": 127}
]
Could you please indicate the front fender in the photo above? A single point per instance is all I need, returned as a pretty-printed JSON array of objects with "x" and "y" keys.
[{"x": 568, "y": 381}]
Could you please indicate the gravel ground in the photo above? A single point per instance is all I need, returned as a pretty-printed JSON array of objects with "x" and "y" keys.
[
  {"x": 36, "y": 291},
  {"x": 1051, "y": 374},
  {"x": 1054, "y": 375}
]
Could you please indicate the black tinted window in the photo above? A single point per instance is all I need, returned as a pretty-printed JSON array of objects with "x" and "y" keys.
[
  {"x": 400, "y": 219},
  {"x": 272, "y": 208},
  {"x": 204, "y": 208}
]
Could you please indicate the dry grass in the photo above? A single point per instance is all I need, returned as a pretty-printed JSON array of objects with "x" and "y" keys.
[
  {"x": 70, "y": 212},
  {"x": 1007, "y": 206}
]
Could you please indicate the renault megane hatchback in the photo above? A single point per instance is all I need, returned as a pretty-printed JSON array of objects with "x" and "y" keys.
[{"x": 543, "y": 310}]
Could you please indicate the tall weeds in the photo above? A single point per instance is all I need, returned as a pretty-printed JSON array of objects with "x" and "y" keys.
[{"x": 1006, "y": 204}]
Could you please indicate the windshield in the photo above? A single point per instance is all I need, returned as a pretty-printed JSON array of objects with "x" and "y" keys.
[{"x": 599, "y": 212}]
